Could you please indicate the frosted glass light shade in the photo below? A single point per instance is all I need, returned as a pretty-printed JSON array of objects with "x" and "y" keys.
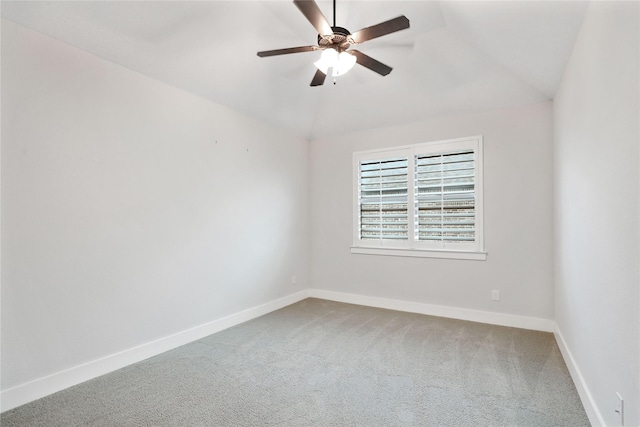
[
  {"x": 346, "y": 61},
  {"x": 327, "y": 59},
  {"x": 339, "y": 63}
]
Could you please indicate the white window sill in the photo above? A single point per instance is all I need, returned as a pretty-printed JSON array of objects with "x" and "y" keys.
[{"x": 421, "y": 253}]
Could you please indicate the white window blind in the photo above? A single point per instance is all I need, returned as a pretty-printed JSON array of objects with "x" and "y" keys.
[
  {"x": 445, "y": 197},
  {"x": 423, "y": 197},
  {"x": 384, "y": 200}
]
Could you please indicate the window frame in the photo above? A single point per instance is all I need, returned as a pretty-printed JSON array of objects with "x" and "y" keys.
[{"x": 412, "y": 247}]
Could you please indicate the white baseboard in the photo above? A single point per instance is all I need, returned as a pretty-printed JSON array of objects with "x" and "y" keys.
[
  {"x": 523, "y": 322},
  {"x": 41, "y": 387},
  {"x": 36, "y": 389},
  {"x": 590, "y": 407}
]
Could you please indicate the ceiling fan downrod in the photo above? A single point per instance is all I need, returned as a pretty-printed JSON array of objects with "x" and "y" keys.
[{"x": 334, "y": 13}]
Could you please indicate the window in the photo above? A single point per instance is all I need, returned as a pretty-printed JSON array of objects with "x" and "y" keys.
[{"x": 420, "y": 200}]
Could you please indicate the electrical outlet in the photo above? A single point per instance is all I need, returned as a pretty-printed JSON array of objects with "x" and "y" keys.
[
  {"x": 293, "y": 280},
  {"x": 620, "y": 408},
  {"x": 495, "y": 295}
]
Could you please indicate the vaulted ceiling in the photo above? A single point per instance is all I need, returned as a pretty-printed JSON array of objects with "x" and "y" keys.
[{"x": 457, "y": 57}]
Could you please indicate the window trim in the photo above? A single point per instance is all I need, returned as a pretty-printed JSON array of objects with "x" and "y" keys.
[
  {"x": 421, "y": 253},
  {"x": 411, "y": 247}
]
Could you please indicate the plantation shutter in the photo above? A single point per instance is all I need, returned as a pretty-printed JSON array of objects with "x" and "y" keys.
[
  {"x": 445, "y": 197},
  {"x": 383, "y": 199}
]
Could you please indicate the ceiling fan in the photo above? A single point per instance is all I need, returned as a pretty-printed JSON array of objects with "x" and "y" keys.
[{"x": 335, "y": 42}]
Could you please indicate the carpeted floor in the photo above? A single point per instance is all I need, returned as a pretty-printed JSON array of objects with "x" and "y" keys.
[{"x": 322, "y": 363}]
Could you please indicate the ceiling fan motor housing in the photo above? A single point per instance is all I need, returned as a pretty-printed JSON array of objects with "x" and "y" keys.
[{"x": 339, "y": 40}]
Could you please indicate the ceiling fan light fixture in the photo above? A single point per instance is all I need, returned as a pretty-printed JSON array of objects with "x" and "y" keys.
[
  {"x": 346, "y": 61},
  {"x": 340, "y": 63},
  {"x": 327, "y": 60}
]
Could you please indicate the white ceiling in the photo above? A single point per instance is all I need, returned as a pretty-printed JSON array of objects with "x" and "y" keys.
[{"x": 457, "y": 57}]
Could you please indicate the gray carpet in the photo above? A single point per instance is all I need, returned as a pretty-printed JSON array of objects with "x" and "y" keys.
[{"x": 322, "y": 363}]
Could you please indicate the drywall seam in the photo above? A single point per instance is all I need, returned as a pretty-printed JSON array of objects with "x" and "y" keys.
[{"x": 36, "y": 389}]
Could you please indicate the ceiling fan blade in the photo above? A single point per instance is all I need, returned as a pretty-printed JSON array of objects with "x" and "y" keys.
[
  {"x": 287, "y": 51},
  {"x": 381, "y": 29},
  {"x": 370, "y": 63},
  {"x": 318, "y": 78},
  {"x": 312, "y": 12}
]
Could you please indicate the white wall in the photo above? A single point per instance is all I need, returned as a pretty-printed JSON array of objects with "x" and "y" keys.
[
  {"x": 596, "y": 140},
  {"x": 132, "y": 210},
  {"x": 518, "y": 218}
]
